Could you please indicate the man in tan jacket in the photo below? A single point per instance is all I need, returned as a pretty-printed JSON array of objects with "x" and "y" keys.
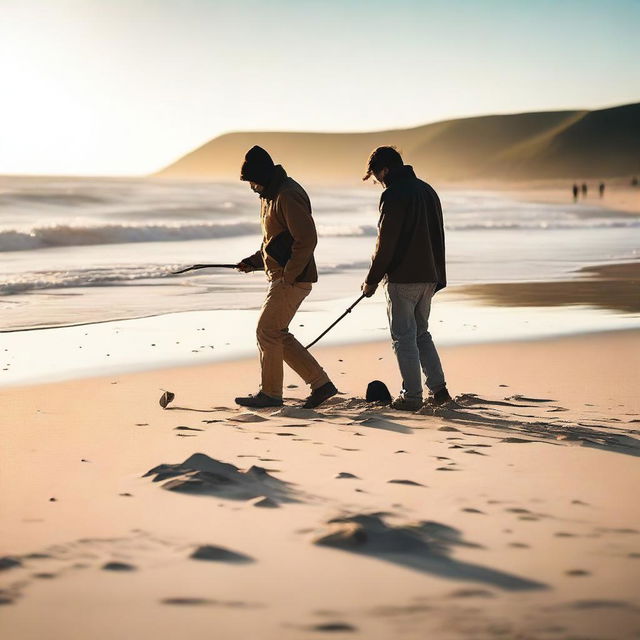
[{"x": 288, "y": 241}]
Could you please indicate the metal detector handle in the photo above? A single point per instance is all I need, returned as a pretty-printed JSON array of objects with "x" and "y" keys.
[
  {"x": 324, "y": 333},
  {"x": 204, "y": 266}
]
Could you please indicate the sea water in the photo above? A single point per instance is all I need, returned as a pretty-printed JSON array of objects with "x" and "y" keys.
[{"x": 77, "y": 251}]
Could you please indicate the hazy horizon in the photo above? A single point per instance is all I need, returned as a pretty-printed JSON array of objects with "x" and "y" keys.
[{"x": 126, "y": 88}]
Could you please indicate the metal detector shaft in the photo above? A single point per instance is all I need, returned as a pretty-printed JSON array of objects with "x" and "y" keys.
[
  {"x": 204, "y": 266},
  {"x": 324, "y": 333}
]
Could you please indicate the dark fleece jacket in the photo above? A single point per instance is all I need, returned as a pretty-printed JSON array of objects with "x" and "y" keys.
[{"x": 410, "y": 246}]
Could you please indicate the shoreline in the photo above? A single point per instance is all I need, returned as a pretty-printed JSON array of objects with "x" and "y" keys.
[
  {"x": 244, "y": 358},
  {"x": 619, "y": 197}
]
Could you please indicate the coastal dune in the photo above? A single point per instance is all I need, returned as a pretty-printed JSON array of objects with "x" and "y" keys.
[{"x": 599, "y": 144}]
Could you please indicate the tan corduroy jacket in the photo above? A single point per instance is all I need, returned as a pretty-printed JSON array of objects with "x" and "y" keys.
[{"x": 285, "y": 207}]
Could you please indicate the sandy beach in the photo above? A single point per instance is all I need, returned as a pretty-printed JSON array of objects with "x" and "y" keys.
[{"x": 513, "y": 514}]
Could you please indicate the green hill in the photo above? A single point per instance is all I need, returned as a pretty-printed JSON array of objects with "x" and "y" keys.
[{"x": 547, "y": 145}]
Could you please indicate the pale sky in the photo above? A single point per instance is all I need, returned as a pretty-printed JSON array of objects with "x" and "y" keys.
[{"x": 124, "y": 87}]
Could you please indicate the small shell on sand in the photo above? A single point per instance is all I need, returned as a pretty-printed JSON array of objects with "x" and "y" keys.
[
  {"x": 219, "y": 554},
  {"x": 166, "y": 398}
]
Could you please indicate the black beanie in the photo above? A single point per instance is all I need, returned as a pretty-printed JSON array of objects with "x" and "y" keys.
[{"x": 257, "y": 167}]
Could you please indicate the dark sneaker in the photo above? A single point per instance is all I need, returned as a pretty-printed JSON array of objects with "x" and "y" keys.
[
  {"x": 259, "y": 401},
  {"x": 439, "y": 398},
  {"x": 319, "y": 395},
  {"x": 406, "y": 404}
]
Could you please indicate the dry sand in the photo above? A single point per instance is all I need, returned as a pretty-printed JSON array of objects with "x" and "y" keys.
[{"x": 512, "y": 515}]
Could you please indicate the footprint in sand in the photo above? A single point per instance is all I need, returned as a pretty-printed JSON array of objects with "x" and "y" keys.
[
  {"x": 346, "y": 475},
  {"x": 206, "y": 602},
  {"x": 118, "y": 566},
  {"x": 8, "y": 562},
  {"x": 332, "y": 627},
  {"x": 471, "y": 593},
  {"x": 213, "y": 553},
  {"x": 410, "y": 483},
  {"x": 182, "y": 428},
  {"x": 188, "y": 601},
  {"x": 472, "y": 510},
  {"x": 577, "y": 573},
  {"x": 521, "y": 398},
  {"x": 263, "y": 502},
  {"x": 247, "y": 417}
]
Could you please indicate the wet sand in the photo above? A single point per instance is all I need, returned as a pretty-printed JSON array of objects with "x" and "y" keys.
[
  {"x": 614, "y": 287},
  {"x": 618, "y": 196}
]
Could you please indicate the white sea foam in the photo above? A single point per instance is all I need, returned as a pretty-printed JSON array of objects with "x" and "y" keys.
[
  {"x": 118, "y": 233},
  {"x": 65, "y": 235},
  {"x": 69, "y": 236}
]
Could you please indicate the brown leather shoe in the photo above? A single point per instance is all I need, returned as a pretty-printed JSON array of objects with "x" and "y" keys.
[
  {"x": 319, "y": 395},
  {"x": 259, "y": 401}
]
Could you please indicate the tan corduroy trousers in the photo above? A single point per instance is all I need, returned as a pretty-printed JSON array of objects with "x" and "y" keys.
[{"x": 277, "y": 345}]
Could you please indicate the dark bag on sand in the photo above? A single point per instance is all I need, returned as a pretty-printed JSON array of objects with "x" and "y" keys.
[
  {"x": 279, "y": 248},
  {"x": 377, "y": 392}
]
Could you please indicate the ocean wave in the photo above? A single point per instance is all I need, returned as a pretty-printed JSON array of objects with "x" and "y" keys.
[
  {"x": 551, "y": 225},
  {"x": 70, "y": 236},
  {"x": 39, "y": 280},
  {"x": 122, "y": 275},
  {"x": 44, "y": 237}
]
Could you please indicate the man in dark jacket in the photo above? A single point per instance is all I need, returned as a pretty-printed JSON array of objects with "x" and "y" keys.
[
  {"x": 288, "y": 241},
  {"x": 410, "y": 256}
]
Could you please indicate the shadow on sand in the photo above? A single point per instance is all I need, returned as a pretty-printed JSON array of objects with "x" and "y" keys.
[
  {"x": 471, "y": 410},
  {"x": 424, "y": 546},
  {"x": 201, "y": 475}
]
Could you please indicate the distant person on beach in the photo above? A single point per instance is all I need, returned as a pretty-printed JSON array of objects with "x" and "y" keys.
[
  {"x": 410, "y": 257},
  {"x": 575, "y": 192},
  {"x": 584, "y": 189},
  {"x": 601, "y": 189},
  {"x": 286, "y": 255}
]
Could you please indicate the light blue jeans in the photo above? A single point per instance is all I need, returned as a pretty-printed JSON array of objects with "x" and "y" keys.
[{"x": 408, "y": 308}]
